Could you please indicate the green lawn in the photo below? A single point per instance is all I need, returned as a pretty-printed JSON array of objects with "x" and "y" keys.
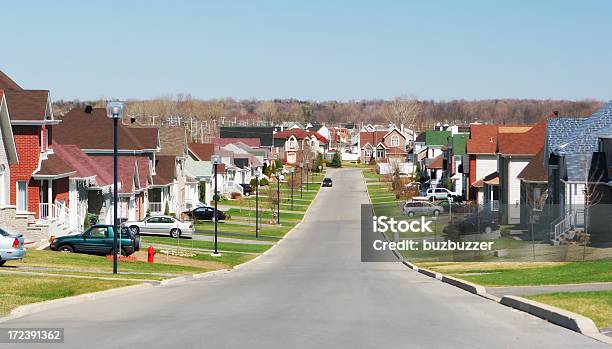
[
  {"x": 555, "y": 274},
  {"x": 594, "y": 305},
  {"x": 264, "y": 214},
  {"x": 273, "y": 231},
  {"x": 223, "y": 246},
  {"x": 230, "y": 259},
  {"x": 25, "y": 289},
  {"x": 90, "y": 263}
]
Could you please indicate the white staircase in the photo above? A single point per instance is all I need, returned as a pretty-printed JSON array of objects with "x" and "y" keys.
[{"x": 565, "y": 229}]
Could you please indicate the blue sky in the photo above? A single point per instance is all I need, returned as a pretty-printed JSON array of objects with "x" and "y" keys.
[{"x": 318, "y": 50}]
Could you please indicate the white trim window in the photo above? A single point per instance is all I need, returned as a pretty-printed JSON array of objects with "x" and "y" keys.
[
  {"x": 395, "y": 141},
  {"x": 367, "y": 153},
  {"x": 2, "y": 186},
  {"x": 22, "y": 196}
]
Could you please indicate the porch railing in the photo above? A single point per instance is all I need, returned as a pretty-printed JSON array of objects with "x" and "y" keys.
[
  {"x": 567, "y": 223},
  {"x": 58, "y": 211}
]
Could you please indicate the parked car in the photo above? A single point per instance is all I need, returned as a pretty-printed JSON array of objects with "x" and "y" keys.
[
  {"x": 98, "y": 240},
  {"x": 205, "y": 213},
  {"x": 455, "y": 206},
  {"x": 327, "y": 182},
  {"x": 439, "y": 194},
  {"x": 481, "y": 222},
  {"x": 247, "y": 189},
  {"x": 162, "y": 225},
  {"x": 11, "y": 247},
  {"x": 421, "y": 207}
]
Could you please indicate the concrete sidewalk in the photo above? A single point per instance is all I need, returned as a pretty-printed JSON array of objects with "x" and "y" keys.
[{"x": 541, "y": 289}]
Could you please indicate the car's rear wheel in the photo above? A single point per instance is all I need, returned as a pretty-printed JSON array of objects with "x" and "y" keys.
[
  {"x": 66, "y": 249},
  {"x": 2, "y": 262},
  {"x": 436, "y": 213},
  {"x": 175, "y": 233},
  {"x": 411, "y": 214},
  {"x": 488, "y": 230},
  {"x": 135, "y": 229}
]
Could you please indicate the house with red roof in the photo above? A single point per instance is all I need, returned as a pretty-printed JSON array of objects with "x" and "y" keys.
[
  {"x": 296, "y": 145},
  {"x": 382, "y": 146},
  {"x": 480, "y": 164},
  {"x": 39, "y": 182},
  {"x": 138, "y": 149}
]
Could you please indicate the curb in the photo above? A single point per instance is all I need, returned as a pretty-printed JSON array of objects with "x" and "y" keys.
[
  {"x": 467, "y": 286},
  {"x": 430, "y": 273},
  {"x": 28, "y": 309},
  {"x": 557, "y": 316}
]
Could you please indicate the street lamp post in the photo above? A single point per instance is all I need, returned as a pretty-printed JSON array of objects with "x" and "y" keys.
[
  {"x": 216, "y": 160},
  {"x": 257, "y": 174},
  {"x": 115, "y": 111},
  {"x": 292, "y": 170},
  {"x": 278, "y": 174},
  {"x": 301, "y": 179}
]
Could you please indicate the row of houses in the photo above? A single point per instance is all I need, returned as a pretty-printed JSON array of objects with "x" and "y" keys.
[
  {"x": 55, "y": 174},
  {"x": 554, "y": 173}
]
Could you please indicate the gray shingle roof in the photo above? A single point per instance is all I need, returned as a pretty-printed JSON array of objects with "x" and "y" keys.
[
  {"x": 584, "y": 139},
  {"x": 577, "y": 166}
]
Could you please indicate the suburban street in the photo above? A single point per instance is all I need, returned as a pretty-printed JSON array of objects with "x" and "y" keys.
[{"x": 309, "y": 291}]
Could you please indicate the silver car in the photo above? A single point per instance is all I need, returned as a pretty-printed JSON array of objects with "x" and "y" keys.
[
  {"x": 422, "y": 208},
  {"x": 11, "y": 247},
  {"x": 162, "y": 225}
]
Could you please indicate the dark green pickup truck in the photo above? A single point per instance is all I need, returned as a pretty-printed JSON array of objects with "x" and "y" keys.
[{"x": 98, "y": 239}]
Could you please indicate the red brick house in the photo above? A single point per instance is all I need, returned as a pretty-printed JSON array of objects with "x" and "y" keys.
[
  {"x": 289, "y": 143},
  {"x": 40, "y": 177}
]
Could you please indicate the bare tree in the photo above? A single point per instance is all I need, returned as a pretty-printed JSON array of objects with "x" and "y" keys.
[{"x": 403, "y": 110}]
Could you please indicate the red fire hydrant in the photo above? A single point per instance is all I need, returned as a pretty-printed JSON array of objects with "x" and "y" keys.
[{"x": 151, "y": 254}]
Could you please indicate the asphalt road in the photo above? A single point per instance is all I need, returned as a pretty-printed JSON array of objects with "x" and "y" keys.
[{"x": 311, "y": 291}]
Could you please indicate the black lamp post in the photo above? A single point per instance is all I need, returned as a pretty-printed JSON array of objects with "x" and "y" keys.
[
  {"x": 292, "y": 170},
  {"x": 115, "y": 110},
  {"x": 257, "y": 203},
  {"x": 216, "y": 160},
  {"x": 301, "y": 179},
  {"x": 278, "y": 174}
]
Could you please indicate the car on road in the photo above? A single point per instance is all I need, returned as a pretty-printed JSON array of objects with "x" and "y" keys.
[
  {"x": 422, "y": 208},
  {"x": 11, "y": 247},
  {"x": 205, "y": 213},
  {"x": 98, "y": 240},
  {"x": 439, "y": 194},
  {"x": 162, "y": 225},
  {"x": 327, "y": 182},
  {"x": 247, "y": 189}
]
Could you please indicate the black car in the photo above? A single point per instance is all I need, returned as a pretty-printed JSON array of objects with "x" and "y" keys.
[
  {"x": 483, "y": 222},
  {"x": 205, "y": 213},
  {"x": 247, "y": 189},
  {"x": 327, "y": 182}
]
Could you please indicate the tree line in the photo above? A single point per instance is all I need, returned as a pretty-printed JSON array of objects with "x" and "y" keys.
[{"x": 424, "y": 112}]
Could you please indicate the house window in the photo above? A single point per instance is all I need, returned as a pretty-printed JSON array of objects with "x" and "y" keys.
[
  {"x": 380, "y": 153},
  {"x": 368, "y": 153},
  {"x": 2, "y": 188},
  {"x": 22, "y": 196},
  {"x": 46, "y": 138},
  {"x": 395, "y": 142}
]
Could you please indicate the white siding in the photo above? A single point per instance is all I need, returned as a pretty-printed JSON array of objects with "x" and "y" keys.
[
  {"x": 514, "y": 189},
  {"x": 485, "y": 164}
]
